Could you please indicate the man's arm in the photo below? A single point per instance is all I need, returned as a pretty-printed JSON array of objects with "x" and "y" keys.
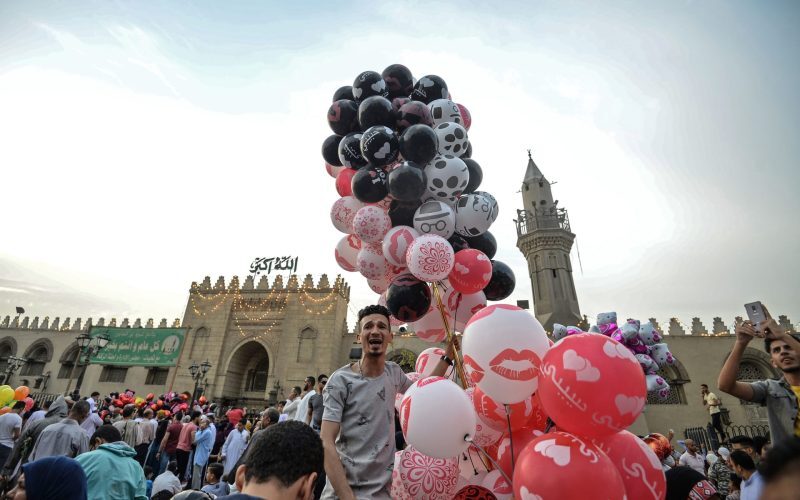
[
  {"x": 163, "y": 442},
  {"x": 442, "y": 365},
  {"x": 333, "y": 464},
  {"x": 309, "y": 413},
  {"x": 727, "y": 376}
]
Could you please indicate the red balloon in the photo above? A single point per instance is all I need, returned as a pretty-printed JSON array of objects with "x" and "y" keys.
[
  {"x": 494, "y": 413},
  {"x": 560, "y": 465},
  {"x": 471, "y": 272},
  {"x": 150, "y": 396},
  {"x": 520, "y": 439},
  {"x": 28, "y": 403},
  {"x": 343, "y": 182},
  {"x": 637, "y": 464},
  {"x": 659, "y": 444},
  {"x": 472, "y": 492},
  {"x": 539, "y": 419},
  {"x": 153, "y": 406},
  {"x": 591, "y": 385},
  {"x": 466, "y": 117}
]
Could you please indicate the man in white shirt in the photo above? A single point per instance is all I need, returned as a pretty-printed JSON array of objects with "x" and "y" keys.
[
  {"x": 691, "y": 458},
  {"x": 10, "y": 427},
  {"x": 302, "y": 408},
  {"x": 290, "y": 408}
]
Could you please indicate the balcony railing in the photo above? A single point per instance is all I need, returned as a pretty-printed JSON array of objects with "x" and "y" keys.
[{"x": 554, "y": 218}]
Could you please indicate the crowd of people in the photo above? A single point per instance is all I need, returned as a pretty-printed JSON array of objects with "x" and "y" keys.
[{"x": 335, "y": 437}]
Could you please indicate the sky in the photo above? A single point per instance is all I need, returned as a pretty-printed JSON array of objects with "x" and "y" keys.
[{"x": 148, "y": 145}]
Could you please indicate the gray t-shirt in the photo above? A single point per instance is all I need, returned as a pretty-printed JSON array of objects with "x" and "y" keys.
[
  {"x": 364, "y": 407},
  {"x": 315, "y": 404},
  {"x": 8, "y": 423}
]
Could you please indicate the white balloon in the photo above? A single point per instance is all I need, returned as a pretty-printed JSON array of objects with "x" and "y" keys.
[
  {"x": 435, "y": 217},
  {"x": 447, "y": 177},
  {"x": 430, "y": 327},
  {"x": 427, "y": 361},
  {"x": 344, "y": 210},
  {"x": 396, "y": 242},
  {"x": 474, "y": 215},
  {"x": 485, "y": 435},
  {"x": 346, "y": 252},
  {"x": 503, "y": 347},
  {"x": 371, "y": 223},
  {"x": 465, "y": 306},
  {"x": 453, "y": 138},
  {"x": 445, "y": 110},
  {"x": 430, "y": 258},
  {"x": 437, "y": 418},
  {"x": 371, "y": 264}
]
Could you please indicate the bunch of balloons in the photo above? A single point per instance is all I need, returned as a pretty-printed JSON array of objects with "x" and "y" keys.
[
  {"x": 643, "y": 341},
  {"x": 409, "y": 202},
  {"x": 9, "y": 397}
]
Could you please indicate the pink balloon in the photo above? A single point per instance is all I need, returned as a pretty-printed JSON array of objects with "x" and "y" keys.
[
  {"x": 485, "y": 434},
  {"x": 370, "y": 263},
  {"x": 471, "y": 272},
  {"x": 494, "y": 413},
  {"x": 465, "y": 116},
  {"x": 342, "y": 213},
  {"x": 332, "y": 170},
  {"x": 344, "y": 182},
  {"x": 379, "y": 285},
  {"x": 592, "y": 385},
  {"x": 371, "y": 224},
  {"x": 497, "y": 484},
  {"x": 636, "y": 463},
  {"x": 396, "y": 243},
  {"x": 425, "y": 477},
  {"x": 560, "y": 465},
  {"x": 28, "y": 403},
  {"x": 430, "y": 257},
  {"x": 503, "y": 346},
  {"x": 347, "y": 252},
  {"x": 427, "y": 361},
  {"x": 430, "y": 327},
  {"x": 465, "y": 306},
  {"x": 398, "y": 490}
]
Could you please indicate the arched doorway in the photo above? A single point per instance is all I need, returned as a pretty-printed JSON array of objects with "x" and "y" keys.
[{"x": 247, "y": 374}]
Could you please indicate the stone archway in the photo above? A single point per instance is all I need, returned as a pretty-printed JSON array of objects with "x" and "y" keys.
[{"x": 247, "y": 373}]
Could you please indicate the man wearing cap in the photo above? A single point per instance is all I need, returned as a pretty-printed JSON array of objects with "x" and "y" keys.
[{"x": 719, "y": 474}]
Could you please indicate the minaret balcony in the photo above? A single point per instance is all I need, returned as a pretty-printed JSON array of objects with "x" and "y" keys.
[{"x": 546, "y": 218}]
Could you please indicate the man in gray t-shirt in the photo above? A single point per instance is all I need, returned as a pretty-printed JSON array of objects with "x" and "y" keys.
[{"x": 358, "y": 420}]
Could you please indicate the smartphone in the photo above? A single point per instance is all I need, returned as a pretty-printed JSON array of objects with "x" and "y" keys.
[{"x": 755, "y": 313}]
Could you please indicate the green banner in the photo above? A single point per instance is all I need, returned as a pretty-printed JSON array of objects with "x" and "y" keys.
[{"x": 139, "y": 346}]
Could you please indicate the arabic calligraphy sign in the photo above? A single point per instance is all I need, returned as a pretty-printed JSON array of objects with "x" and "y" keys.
[
  {"x": 268, "y": 264},
  {"x": 139, "y": 346}
]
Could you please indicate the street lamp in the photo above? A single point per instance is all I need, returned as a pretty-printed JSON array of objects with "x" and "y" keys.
[
  {"x": 198, "y": 375},
  {"x": 14, "y": 364},
  {"x": 88, "y": 347}
]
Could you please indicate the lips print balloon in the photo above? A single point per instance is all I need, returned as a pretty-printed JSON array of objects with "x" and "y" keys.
[
  {"x": 636, "y": 463},
  {"x": 370, "y": 263},
  {"x": 396, "y": 243},
  {"x": 471, "y": 272},
  {"x": 502, "y": 347},
  {"x": 426, "y": 477},
  {"x": 430, "y": 257},
  {"x": 379, "y": 285},
  {"x": 561, "y": 465},
  {"x": 430, "y": 327},
  {"x": 399, "y": 80},
  {"x": 437, "y": 418},
  {"x": 520, "y": 414},
  {"x": 343, "y": 211},
  {"x": 485, "y": 433},
  {"x": 371, "y": 223},
  {"x": 580, "y": 387},
  {"x": 346, "y": 252},
  {"x": 408, "y": 298},
  {"x": 427, "y": 361},
  {"x": 465, "y": 307},
  {"x": 474, "y": 492}
]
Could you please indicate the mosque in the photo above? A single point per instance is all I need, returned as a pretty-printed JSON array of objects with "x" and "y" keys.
[{"x": 257, "y": 339}]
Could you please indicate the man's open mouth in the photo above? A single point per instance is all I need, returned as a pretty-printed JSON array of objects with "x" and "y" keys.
[{"x": 375, "y": 341}]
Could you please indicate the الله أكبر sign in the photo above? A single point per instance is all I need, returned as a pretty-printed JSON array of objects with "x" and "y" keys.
[{"x": 268, "y": 264}]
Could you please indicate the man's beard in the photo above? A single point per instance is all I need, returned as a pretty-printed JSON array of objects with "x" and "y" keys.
[
  {"x": 793, "y": 369},
  {"x": 374, "y": 354}
]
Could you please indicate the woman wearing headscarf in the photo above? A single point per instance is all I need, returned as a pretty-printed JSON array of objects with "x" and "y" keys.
[{"x": 50, "y": 477}]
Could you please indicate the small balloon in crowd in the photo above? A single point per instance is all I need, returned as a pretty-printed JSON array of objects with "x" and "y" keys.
[
  {"x": 475, "y": 175},
  {"x": 502, "y": 283},
  {"x": 330, "y": 150},
  {"x": 344, "y": 92},
  {"x": 371, "y": 224},
  {"x": 407, "y": 182},
  {"x": 419, "y": 143},
  {"x": 346, "y": 252},
  {"x": 396, "y": 243},
  {"x": 344, "y": 180},
  {"x": 413, "y": 113},
  {"x": 472, "y": 271},
  {"x": 452, "y": 137},
  {"x": 370, "y": 185},
  {"x": 343, "y": 211},
  {"x": 368, "y": 84},
  {"x": 349, "y": 151},
  {"x": 399, "y": 80},
  {"x": 435, "y": 217},
  {"x": 485, "y": 243},
  {"x": 376, "y": 110},
  {"x": 21, "y": 392},
  {"x": 408, "y": 298},
  {"x": 430, "y": 257},
  {"x": 379, "y": 145},
  {"x": 447, "y": 177},
  {"x": 429, "y": 88},
  {"x": 343, "y": 116}
]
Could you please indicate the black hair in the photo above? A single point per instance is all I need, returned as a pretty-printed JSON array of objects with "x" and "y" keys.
[
  {"x": 312, "y": 379},
  {"x": 273, "y": 415},
  {"x": 178, "y": 416},
  {"x": 758, "y": 444},
  {"x": 298, "y": 390},
  {"x": 286, "y": 452},
  {"x": 128, "y": 411},
  {"x": 768, "y": 342},
  {"x": 745, "y": 441},
  {"x": 374, "y": 309},
  {"x": 704, "y": 385},
  {"x": 736, "y": 480},
  {"x": 95, "y": 393},
  {"x": 196, "y": 414},
  {"x": 216, "y": 469},
  {"x": 18, "y": 405},
  {"x": 743, "y": 460},
  {"x": 107, "y": 432},
  {"x": 782, "y": 458},
  {"x": 172, "y": 466},
  {"x": 80, "y": 409},
  {"x": 322, "y": 376}
]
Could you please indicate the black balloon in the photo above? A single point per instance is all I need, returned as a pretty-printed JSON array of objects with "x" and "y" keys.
[
  {"x": 402, "y": 213},
  {"x": 399, "y": 80},
  {"x": 485, "y": 243},
  {"x": 379, "y": 145},
  {"x": 429, "y": 88},
  {"x": 458, "y": 242},
  {"x": 330, "y": 150},
  {"x": 407, "y": 182},
  {"x": 376, "y": 110},
  {"x": 345, "y": 92},
  {"x": 502, "y": 283},
  {"x": 467, "y": 152},
  {"x": 368, "y": 84},
  {"x": 413, "y": 113},
  {"x": 350, "y": 151},
  {"x": 408, "y": 299},
  {"x": 475, "y": 175},
  {"x": 343, "y": 116},
  {"x": 419, "y": 143},
  {"x": 369, "y": 184}
]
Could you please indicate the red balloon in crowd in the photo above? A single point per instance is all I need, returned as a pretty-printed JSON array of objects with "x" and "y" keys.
[
  {"x": 637, "y": 464},
  {"x": 202, "y": 400},
  {"x": 520, "y": 439},
  {"x": 344, "y": 181},
  {"x": 494, "y": 413},
  {"x": 591, "y": 385},
  {"x": 471, "y": 272},
  {"x": 150, "y": 396},
  {"x": 561, "y": 465}
]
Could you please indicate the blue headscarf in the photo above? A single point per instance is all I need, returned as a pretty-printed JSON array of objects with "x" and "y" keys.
[{"x": 55, "y": 477}]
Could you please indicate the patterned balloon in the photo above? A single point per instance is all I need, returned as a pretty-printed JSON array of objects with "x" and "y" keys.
[
  {"x": 430, "y": 257},
  {"x": 637, "y": 464},
  {"x": 399, "y": 80},
  {"x": 380, "y": 285},
  {"x": 429, "y": 88},
  {"x": 343, "y": 211},
  {"x": 466, "y": 306},
  {"x": 474, "y": 492},
  {"x": 485, "y": 433},
  {"x": 427, "y": 478},
  {"x": 430, "y": 327},
  {"x": 343, "y": 181},
  {"x": 494, "y": 414},
  {"x": 578, "y": 387},
  {"x": 350, "y": 151},
  {"x": 471, "y": 272},
  {"x": 547, "y": 464},
  {"x": 408, "y": 298},
  {"x": 370, "y": 263},
  {"x": 413, "y": 113},
  {"x": 396, "y": 243},
  {"x": 447, "y": 177},
  {"x": 369, "y": 83},
  {"x": 474, "y": 214},
  {"x": 347, "y": 252},
  {"x": 343, "y": 116},
  {"x": 445, "y": 110},
  {"x": 427, "y": 361},
  {"x": 371, "y": 223},
  {"x": 398, "y": 491},
  {"x": 497, "y": 484},
  {"x": 466, "y": 117},
  {"x": 453, "y": 138},
  {"x": 435, "y": 217}
]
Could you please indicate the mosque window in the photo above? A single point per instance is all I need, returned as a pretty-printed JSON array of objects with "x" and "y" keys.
[
  {"x": 67, "y": 362},
  {"x": 157, "y": 376},
  {"x": 6, "y": 350},
  {"x": 36, "y": 361},
  {"x": 201, "y": 332},
  {"x": 114, "y": 374}
]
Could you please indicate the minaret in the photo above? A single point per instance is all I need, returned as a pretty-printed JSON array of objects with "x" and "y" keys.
[{"x": 544, "y": 237}]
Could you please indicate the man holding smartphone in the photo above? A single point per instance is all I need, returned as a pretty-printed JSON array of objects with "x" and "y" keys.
[{"x": 780, "y": 396}]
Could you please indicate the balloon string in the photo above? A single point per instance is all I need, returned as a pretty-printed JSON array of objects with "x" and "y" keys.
[
  {"x": 450, "y": 336},
  {"x": 486, "y": 455},
  {"x": 510, "y": 438}
]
